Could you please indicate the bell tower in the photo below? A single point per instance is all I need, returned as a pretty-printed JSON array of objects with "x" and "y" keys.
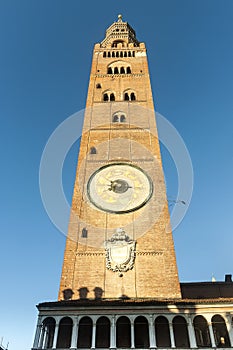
[{"x": 119, "y": 241}]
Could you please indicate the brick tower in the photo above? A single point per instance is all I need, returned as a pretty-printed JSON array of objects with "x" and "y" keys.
[
  {"x": 119, "y": 285},
  {"x": 119, "y": 242}
]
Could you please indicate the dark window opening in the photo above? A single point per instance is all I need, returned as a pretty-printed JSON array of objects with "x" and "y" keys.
[
  {"x": 126, "y": 96},
  {"x": 98, "y": 86},
  {"x": 104, "y": 54},
  {"x": 115, "y": 119},
  {"x": 93, "y": 150},
  {"x": 122, "y": 119},
  {"x": 162, "y": 332},
  {"x": 220, "y": 332},
  {"x": 84, "y": 233},
  {"x": 133, "y": 53},
  {"x": 129, "y": 54},
  {"x": 128, "y": 70},
  {"x": 125, "y": 54},
  {"x": 85, "y": 333},
  {"x": 109, "y": 54},
  {"x": 105, "y": 97},
  {"x": 132, "y": 96},
  {"x": 110, "y": 70},
  {"x": 180, "y": 332},
  {"x": 113, "y": 54},
  {"x": 116, "y": 71},
  {"x": 64, "y": 333},
  {"x": 141, "y": 333},
  {"x": 112, "y": 97},
  {"x": 122, "y": 70},
  {"x": 123, "y": 333},
  {"x": 121, "y": 54},
  {"x": 117, "y": 54},
  {"x": 201, "y": 332},
  {"x": 49, "y": 324},
  {"x": 102, "y": 333}
]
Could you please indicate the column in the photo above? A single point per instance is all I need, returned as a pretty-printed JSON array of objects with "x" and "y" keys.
[
  {"x": 152, "y": 333},
  {"x": 38, "y": 333},
  {"x": 55, "y": 334},
  {"x": 93, "y": 335},
  {"x": 46, "y": 333},
  {"x": 212, "y": 335},
  {"x": 229, "y": 328},
  {"x": 113, "y": 333},
  {"x": 191, "y": 333},
  {"x": 42, "y": 333},
  {"x": 172, "y": 335},
  {"x": 132, "y": 335},
  {"x": 74, "y": 338}
]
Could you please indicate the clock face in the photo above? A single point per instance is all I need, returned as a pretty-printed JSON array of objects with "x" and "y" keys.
[{"x": 119, "y": 188}]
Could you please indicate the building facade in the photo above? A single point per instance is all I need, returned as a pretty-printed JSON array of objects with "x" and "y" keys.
[{"x": 119, "y": 285}]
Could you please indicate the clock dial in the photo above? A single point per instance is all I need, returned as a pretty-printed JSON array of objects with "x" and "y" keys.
[{"x": 119, "y": 188}]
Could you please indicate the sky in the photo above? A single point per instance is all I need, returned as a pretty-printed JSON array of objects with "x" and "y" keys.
[{"x": 46, "y": 50}]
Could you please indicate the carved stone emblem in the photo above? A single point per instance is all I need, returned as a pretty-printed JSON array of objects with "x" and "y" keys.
[{"x": 120, "y": 252}]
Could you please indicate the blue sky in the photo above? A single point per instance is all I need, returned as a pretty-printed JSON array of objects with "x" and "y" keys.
[{"x": 46, "y": 49}]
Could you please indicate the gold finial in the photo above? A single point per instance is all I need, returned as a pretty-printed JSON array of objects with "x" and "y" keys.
[{"x": 119, "y": 18}]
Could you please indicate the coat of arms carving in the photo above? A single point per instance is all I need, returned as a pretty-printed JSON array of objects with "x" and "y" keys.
[{"x": 120, "y": 252}]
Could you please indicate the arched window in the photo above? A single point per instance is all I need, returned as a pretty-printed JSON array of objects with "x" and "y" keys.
[
  {"x": 85, "y": 333},
  {"x": 180, "y": 332},
  {"x": 201, "y": 332},
  {"x": 129, "y": 54},
  {"x": 117, "y": 54},
  {"x": 49, "y": 324},
  {"x": 128, "y": 70},
  {"x": 122, "y": 70},
  {"x": 141, "y": 333},
  {"x": 220, "y": 332},
  {"x": 110, "y": 70},
  {"x": 115, "y": 118},
  {"x": 126, "y": 96},
  {"x": 113, "y": 54},
  {"x": 109, "y": 54},
  {"x": 122, "y": 119},
  {"x": 132, "y": 96},
  {"x": 121, "y": 54},
  {"x": 93, "y": 150},
  {"x": 102, "y": 333},
  {"x": 125, "y": 54},
  {"x": 133, "y": 53},
  {"x": 65, "y": 333},
  {"x": 123, "y": 332},
  {"x": 116, "y": 71},
  {"x": 112, "y": 97},
  {"x": 98, "y": 86},
  {"x": 162, "y": 332},
  {"x": 105, "y": 97}
]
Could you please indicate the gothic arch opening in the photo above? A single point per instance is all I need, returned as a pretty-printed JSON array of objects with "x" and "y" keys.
[
  {"x": 201, "y": 332},
  {"x": 102, "y": 333},
  {"x": 220, "y": 332},
  {"x": 49, "y": 325},
  {"x": 93, "y": 150},
  {"x": 85, "y": 333},
  {"x": 180, "y": 332},
  {"x": 123, "y": 332},
  {"x": 162, "y": 332},
  {"x": 64, "y": 333},
  {"x": 141, "y": 333}
]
